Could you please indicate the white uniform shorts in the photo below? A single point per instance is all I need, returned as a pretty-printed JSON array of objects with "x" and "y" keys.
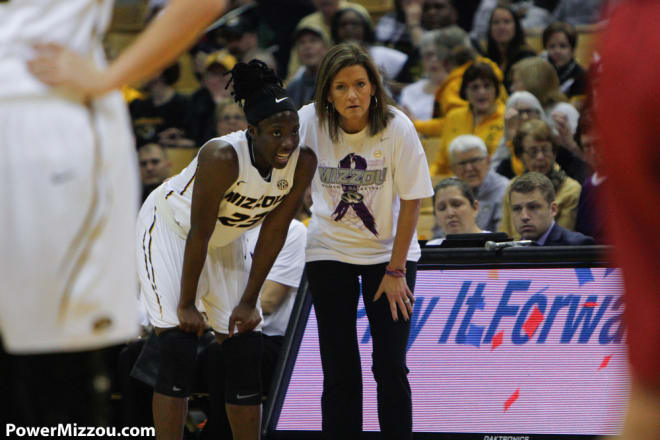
[
  {"x": 160, "y": 263},
  {"x": 68, "y": 191}
]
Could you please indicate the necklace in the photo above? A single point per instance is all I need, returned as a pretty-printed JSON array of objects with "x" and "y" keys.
[{"x": 254, "y": 160}]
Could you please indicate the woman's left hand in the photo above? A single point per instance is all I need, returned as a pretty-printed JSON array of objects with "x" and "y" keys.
[{"x": 398, "y": 294}]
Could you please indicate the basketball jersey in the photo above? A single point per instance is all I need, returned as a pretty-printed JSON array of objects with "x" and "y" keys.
[
  {"x": 244, "y": 205},
  {"x": 357, "y": 186},
  {"x": 78, "y": 25}
]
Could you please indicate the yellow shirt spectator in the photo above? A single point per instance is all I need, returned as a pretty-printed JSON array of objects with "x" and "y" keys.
[{"x": 447, "y": 97}]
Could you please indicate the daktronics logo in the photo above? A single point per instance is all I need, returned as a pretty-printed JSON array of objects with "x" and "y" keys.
[{"x": 535, "y": 317}]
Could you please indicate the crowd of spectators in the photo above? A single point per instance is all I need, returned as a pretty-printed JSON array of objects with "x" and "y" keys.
[{"x": 455, "y": 68}]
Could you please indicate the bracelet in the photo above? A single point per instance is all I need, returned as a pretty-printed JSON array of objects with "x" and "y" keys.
[{"x": 396, "y": 273}]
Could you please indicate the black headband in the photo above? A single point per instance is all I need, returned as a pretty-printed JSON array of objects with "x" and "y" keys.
[{"x": 265, "y": 105}]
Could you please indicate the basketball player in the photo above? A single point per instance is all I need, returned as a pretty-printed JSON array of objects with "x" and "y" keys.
[
  {"x": 192, "y": 249},
  {"x": 69, "y": 193},
  {"x": 629, "y": 129}
]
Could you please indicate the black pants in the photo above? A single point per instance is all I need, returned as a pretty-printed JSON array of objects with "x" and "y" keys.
[{"x": 335, "y": 292}]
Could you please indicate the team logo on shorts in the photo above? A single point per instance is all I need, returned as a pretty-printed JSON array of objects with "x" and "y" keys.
[
  {"x": 282, "y": 184},
  {"x": 102, "y": 324}
]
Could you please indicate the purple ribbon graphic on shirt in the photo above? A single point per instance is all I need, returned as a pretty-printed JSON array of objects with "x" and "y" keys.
[{"x": 351, "y": 197}]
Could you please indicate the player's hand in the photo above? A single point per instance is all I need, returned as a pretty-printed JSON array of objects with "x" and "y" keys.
[
  {"x": 56, "y": 65},
  {"x": 190, "y": 319},
  {"x": 398, "y": 294},
  {"x": 245, "y": 317}
]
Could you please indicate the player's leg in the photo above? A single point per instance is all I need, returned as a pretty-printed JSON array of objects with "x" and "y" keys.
[
  {"x": 217, "y": 424},
  {"x": 390, "y": 341},
  {"x": 335, "y": 292},
  {"x": 243, "y": 388},
  {"x": 160, "y": 262},
  {"x": 226, "y": 277}
]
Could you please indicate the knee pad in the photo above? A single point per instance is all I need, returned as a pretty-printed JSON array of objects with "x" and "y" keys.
[
  {"x": 242, "y": 356},
  {"x": 178, "y": 356}
]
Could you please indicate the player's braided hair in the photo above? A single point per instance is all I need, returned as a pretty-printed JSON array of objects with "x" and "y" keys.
[
  {"x": 253, "y": 78},
  {"x": 258, "y": 89}
]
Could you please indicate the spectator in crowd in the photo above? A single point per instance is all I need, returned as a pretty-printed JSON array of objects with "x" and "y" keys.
[
  {"x": 455, "y": 53},
  {"x": 417, "y": 99},
  {"x": 506, "y": 41},
  {"x": 311, "y": 46},
  {"x": 538, "y": 77},
  {"x": 397, "y": 28},
  {"x": 483, "y": 117},
  {"x": 322, "y": 19},
  {"x": 438, "y": 14},
  {"x": 559, "y": 41},
  {"x": 470, "y": 162},
  {"x": 533, "y": 210},
  {"x": 589, "y": 218},
  {"x": 163, "y": 115},
  {"x": 212, "y": 91},
  {"x": 578, "y": 12},
  {"x": 349, "y": 24},
  {"x": 155, "y": 167},
  {"x": 520, "y": 108},
  {"x": 238, "y": 33},
  {"x": 277, "y": 298},
  {"x": 229, "y": 117},
  {"x": 277, "y": 22},
  {"x": 455, "y": 209},
  {"x": 536, "y": 146}
]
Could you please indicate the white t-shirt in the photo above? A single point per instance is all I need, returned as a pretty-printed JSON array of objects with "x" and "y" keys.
[
  {"x": 288, "y": 270},
  {"x": 357, "y": 186},
  {"x": 389, "y": 61},
  {"x": 417, "y": 100}
]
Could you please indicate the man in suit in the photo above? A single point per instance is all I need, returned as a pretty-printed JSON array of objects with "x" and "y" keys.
[{"x": 533, "y": 209}]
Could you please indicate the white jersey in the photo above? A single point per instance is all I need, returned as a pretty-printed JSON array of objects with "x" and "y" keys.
[
  {"x": 357, "y": 186},
  {"x": 69, "y": 179},
  {"x": 245, "y": 204},
  {"x": 287, "y": 270},
  {"x": 78, "y": 25}
]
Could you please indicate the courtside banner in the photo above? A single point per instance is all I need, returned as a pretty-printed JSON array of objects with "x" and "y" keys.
[{"x": 496, "y": 351}]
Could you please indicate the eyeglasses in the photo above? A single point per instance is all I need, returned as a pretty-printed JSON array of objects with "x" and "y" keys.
[
  {"x": 534, "y": 151},
  {"x": 474, "y": 161}
]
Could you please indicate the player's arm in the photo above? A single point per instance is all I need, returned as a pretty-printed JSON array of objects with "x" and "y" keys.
[
  {"x": 271, "y": 239},
  {"x": 173, "y": 31},
  {"x": 217, "y": 169},
  {"x": 273, "y": 295}
]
